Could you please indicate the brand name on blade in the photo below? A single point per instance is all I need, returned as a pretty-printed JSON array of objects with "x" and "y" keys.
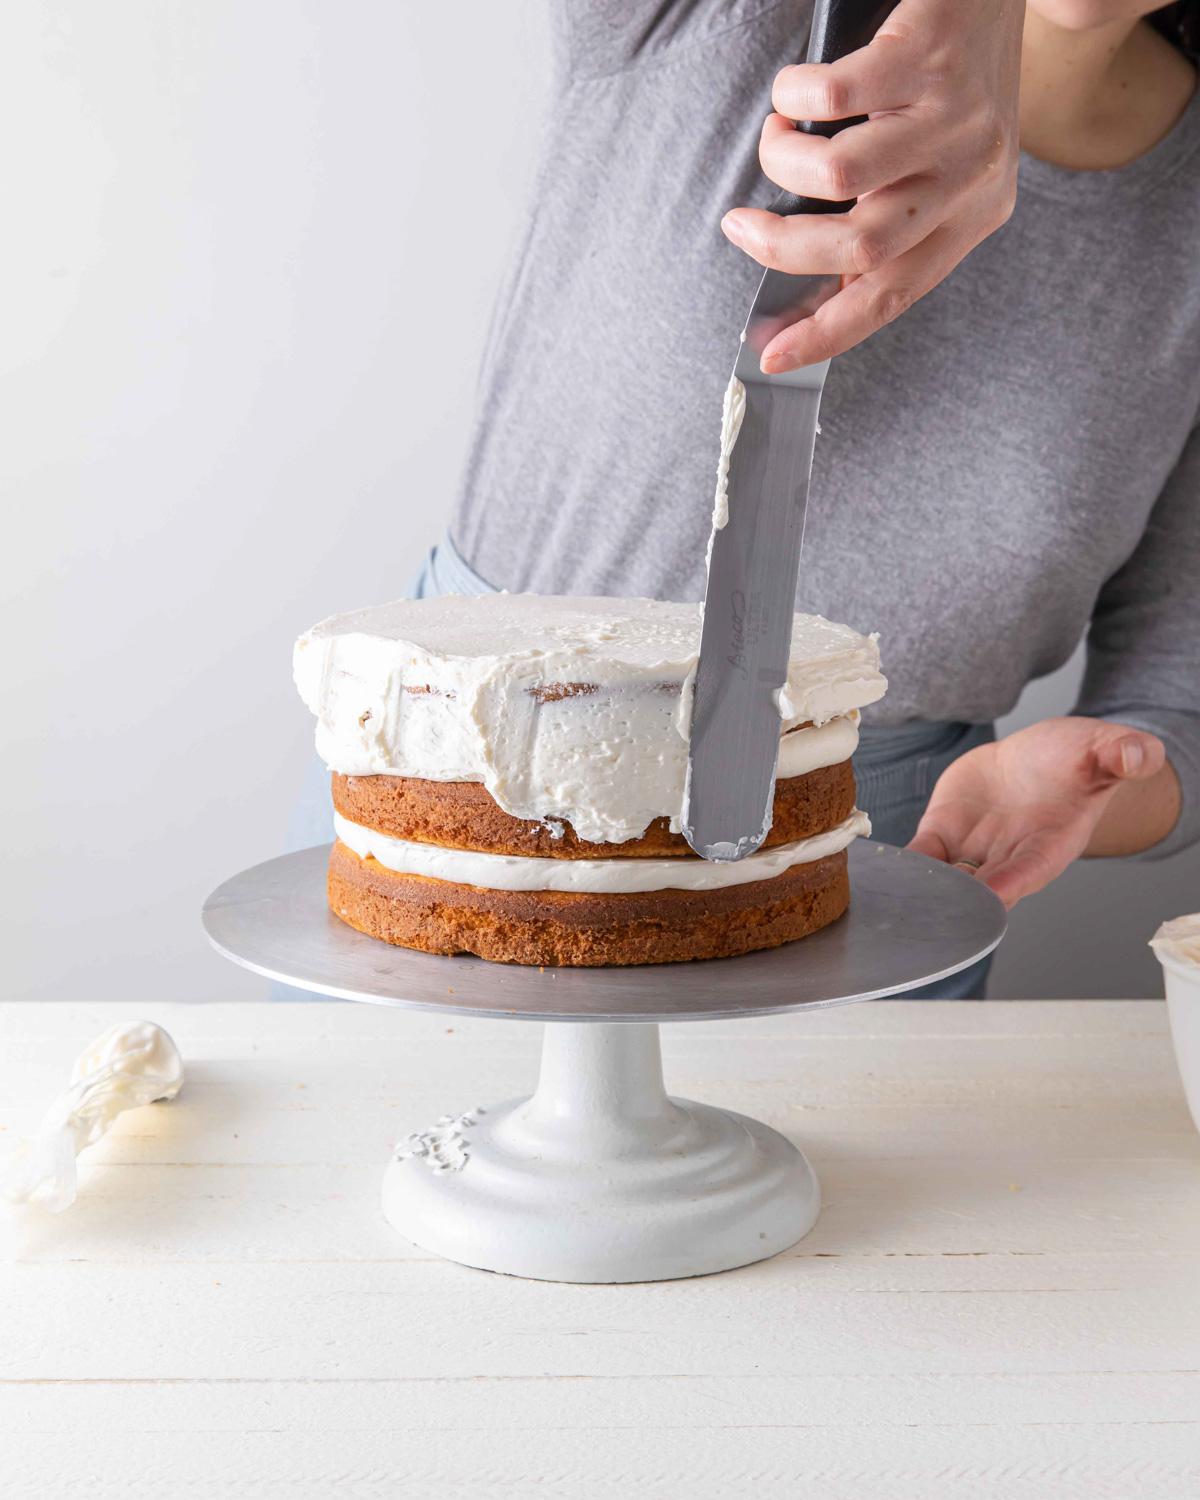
[
  {"x": 737, "y": 636},
  {"x": 745, "y": 628}
]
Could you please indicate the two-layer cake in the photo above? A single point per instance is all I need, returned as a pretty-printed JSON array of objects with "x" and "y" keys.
[{"x": 508, "y": 776}]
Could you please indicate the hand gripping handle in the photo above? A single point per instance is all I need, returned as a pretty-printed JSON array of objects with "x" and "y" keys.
[{"x": 839, "y": 27}]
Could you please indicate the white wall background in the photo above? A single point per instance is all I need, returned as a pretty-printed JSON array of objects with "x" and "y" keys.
[
  {"x": 242, "y": 316},
  {"x": 241, "y": 322}
]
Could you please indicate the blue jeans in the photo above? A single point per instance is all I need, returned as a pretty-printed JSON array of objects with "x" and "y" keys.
[{"x": 895, "y": 768}]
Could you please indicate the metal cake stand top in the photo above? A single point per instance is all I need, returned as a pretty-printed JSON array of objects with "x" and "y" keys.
[{"x": 912, "y": 920}]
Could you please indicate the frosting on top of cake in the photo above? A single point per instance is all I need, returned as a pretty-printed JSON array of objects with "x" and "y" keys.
[{"x": 567, "y": 709}]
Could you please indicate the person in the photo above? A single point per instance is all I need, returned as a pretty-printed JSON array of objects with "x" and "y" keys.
[{"x": 1009, "y": 454}]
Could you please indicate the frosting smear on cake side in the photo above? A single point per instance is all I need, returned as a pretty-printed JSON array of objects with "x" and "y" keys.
[{"x": 567, "y": 710}]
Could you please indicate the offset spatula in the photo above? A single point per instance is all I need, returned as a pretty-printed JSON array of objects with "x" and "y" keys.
[{"x": 755, "y": 556}]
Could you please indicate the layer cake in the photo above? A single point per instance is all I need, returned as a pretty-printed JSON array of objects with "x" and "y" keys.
[{"x": 508, "y": 776}]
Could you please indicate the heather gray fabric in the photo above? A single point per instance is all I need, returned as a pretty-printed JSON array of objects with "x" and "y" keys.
[{"x": 1015, "y": 458}]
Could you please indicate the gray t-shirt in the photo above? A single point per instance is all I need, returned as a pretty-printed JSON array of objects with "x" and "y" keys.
[{"x": 1015, "y": 458}]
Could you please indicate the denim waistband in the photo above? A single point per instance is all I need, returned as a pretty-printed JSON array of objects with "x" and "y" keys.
[
  {"x": 886, "y": 742},
  {"x": 896, "y": 769},
  {"x": 446, "y": 571}
]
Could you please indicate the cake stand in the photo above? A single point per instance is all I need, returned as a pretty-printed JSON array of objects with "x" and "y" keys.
[{"x": 600, "y": 1176}]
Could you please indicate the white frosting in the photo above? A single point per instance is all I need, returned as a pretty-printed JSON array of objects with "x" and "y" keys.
[
  {"x": 509, "y": 872},
  {"x": 1179, "y": 939},
  {"x": 131, "y": 1064},
  {"x": 733, "y": 411},
  {"x": 805, "y": 750},
  {"x": 565, "y": 709}
]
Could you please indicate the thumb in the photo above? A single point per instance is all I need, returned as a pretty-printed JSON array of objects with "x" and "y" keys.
[
  {"x": 926, "y": 841},
  {"x": 1129, "y": 754}
]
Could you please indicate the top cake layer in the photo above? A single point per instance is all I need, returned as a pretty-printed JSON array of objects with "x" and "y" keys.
[{"x": 566, "y": 709}]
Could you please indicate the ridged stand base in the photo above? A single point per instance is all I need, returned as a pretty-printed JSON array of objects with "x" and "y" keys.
[{"x": 600, "y": 1177}]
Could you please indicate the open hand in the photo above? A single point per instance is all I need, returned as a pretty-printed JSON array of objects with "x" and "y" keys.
[
  {"x": 1020, "y": 810},
  {"x": 934, "y": 167}
]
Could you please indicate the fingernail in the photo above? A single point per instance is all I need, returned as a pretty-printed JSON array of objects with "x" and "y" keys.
[
  {"x": 778, "y": 364},
  {"x": 1133, "y": 757},
  {"x": 731, "y": 227}
]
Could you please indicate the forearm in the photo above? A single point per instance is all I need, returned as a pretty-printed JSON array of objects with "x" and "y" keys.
[
  {"x": 1139, "y": 815},
  {"x": 1143, "y": 670}
]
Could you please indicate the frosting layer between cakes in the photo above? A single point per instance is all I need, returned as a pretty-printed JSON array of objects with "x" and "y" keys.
[
  {"x": 507, "y": 872},
  {"x": 565, "y": 709}
]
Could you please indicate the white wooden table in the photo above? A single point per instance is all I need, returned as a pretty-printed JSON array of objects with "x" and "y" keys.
[{"x": 1001, "y": 1298}]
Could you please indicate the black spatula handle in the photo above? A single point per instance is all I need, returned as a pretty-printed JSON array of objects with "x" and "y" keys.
[{"x": 839, "y": 27}]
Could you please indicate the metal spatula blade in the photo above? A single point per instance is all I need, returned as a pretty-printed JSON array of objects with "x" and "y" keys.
[
  {"x": 754, "y": 559},
  {"x": 747, "y": 632}
]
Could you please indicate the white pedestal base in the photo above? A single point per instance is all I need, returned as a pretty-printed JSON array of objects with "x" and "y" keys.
[{"x": 600, "y": 1177}]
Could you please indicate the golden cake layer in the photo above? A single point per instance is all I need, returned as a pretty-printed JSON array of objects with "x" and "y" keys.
[
  {"x": 464, "y": 815},
  {"x": 578, "y": 928}
]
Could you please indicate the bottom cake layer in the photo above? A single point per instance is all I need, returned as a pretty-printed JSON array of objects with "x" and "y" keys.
[{"x": 585, "y": 928}]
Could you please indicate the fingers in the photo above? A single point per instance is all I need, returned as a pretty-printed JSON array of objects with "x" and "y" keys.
[
  {"x": 1023, "y": 808},
  {"x": 859, "y": 160},
  {"x": 877, "y": 230},
  {"x": 938, "y": 837},
  {"x": 861, "y": 83},
  {"x": 1013, "y": 873},
  {"x": 864, "y": 305},
  {"x": 939, "y": 52},
  {"x": 927, "y": 841},
  {"x": 933, "y": 165},
  {"x": 1018, "y": 875},
  {"x": 1129, "y": 754},
  {"x": 1012, "y": 855}
]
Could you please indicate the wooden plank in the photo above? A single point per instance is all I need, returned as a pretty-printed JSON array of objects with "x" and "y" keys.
[
  {"x": 930, "y": 1078},
  {"x": 264, "y": 1113},
  {"x": 528, "y": 1403},
  {"x": 231, "y": 1124},
  {"x": 792, "y": 1080},
  {"x": 981, "y": 1462},
  {"x": 435, "y": 1319},
  {"x": 920, "y": 1205}
]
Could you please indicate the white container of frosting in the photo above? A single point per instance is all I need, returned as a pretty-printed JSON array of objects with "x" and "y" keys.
[{"x": 1177, "y": 946}]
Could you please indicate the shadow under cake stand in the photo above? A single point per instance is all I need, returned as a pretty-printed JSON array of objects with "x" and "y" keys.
[{"x": 600, "y": 1176}]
